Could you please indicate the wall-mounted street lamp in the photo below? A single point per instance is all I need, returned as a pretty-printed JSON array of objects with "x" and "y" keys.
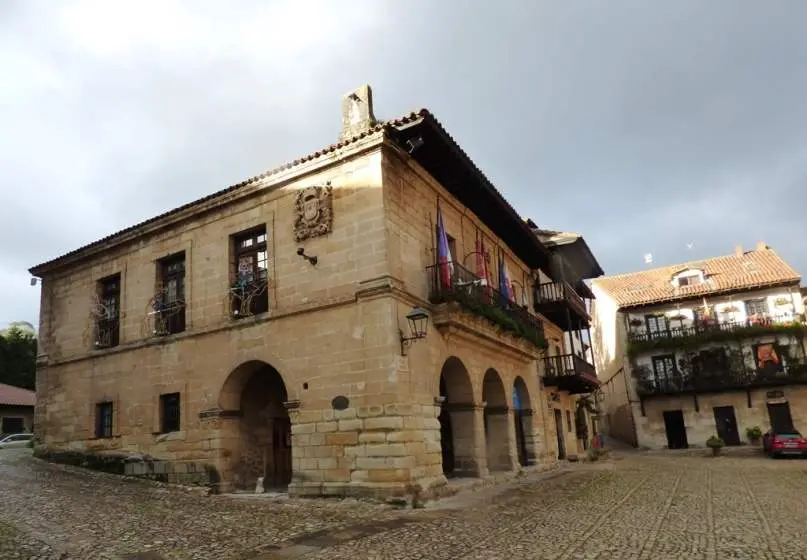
[
  {"x": 35, "y": 280},
  {"x": 418, "y": 321},
  {"x": 312, "y": 260}
]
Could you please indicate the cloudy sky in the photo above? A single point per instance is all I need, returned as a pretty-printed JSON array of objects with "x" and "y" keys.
[{"x": 645, "y": 125}]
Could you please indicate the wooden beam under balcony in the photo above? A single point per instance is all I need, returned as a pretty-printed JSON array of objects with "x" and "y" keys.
[
  {"x": 569, "y": 372},
  {"x": 560, "y": 303}
]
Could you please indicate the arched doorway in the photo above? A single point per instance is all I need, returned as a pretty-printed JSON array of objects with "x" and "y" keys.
[
  {"x": 522, "y": 417},
  {"x": 457, "y": 420},
  {"x": 497, "y": 432},
  {"x": 254, "y": 395}
]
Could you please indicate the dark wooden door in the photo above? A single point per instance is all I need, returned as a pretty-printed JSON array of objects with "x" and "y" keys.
[
  {"x": 676, "y": 429},
  {"x": 560, "y": 435},
  {"x": 446, "y": 441},
  {"x": 726, "y": 424},
  {"x": 280, "y": 474},
  {"x": 781, "y": 420}
]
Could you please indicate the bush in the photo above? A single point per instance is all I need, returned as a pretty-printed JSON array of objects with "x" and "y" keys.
[
  {"x": 754, "y": 432},
  {"x": 715, "y": 442}
]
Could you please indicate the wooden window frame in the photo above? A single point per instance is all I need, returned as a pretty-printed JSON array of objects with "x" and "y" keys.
[{"x": 104, "y": 419}]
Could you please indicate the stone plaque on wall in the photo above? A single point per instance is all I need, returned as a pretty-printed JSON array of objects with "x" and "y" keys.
[{"x": 313, "y": 208}]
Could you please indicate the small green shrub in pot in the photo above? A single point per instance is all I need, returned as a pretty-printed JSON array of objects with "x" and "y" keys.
[
  {"x": 715, "y": 444},
  {"x": 754, "y": 434}
]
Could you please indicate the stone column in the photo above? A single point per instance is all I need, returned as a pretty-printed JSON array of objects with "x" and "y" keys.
[
  {"x": 225, "y": 445},
  {"x": 498, "y": 441},
  {"x": 467, "y": 427}
]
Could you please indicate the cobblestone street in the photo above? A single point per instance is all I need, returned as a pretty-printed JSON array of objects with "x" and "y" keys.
[{"x": 633, "y": 507}]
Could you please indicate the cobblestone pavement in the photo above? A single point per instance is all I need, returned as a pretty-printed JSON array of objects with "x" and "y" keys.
[{"x": 635, "y": 507}]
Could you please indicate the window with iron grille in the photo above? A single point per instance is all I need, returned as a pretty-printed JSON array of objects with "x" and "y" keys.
[
  {"x": 108, "y": 315},
  {"x": 170, "y": 300},
  {"x": 756, "y": 307},
  {"x": 569, "y": 421},
  {"x": 250, "y": 294},
  {"x": 169, "y": 413},
  {"x": 664, "y": 369},
  {"x": 103, "y": 419}
]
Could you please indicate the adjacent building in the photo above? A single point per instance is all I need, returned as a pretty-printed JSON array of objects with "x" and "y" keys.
[
  {"x": 16, "y": 409},
  {"x": 371, "y": 316},
  {"x": 711, "y": 347}
]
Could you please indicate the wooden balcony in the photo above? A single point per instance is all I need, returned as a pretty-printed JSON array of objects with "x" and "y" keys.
[
  {"x": 571, "y": 373},
  {"x": 703, "y": 332},
  {"x": 717, "y": 381},
  {"x": 560, "y": 303}
]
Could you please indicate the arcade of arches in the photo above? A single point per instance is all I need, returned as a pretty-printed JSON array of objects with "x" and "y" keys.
[
  {"x": 489, "y": 435},
  {"x": 494, "y": 427}
]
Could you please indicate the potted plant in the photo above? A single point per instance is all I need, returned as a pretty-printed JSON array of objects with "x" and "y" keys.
[
  {"x": 715, "y": 444},
  {"x": 754, "y": 434}
]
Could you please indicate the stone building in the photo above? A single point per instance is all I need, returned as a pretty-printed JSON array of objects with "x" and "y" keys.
[
  {"x": 711, "y": 347},
  {"x": 292, "y": 326},
  {"x": 16, "y": 409}
]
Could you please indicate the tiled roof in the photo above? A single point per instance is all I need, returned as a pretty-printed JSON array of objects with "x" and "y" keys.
[
  {"x": 16, "y": 396},
  {"x": 122, "y": 234},
  {"x": 730, "y": 273}
]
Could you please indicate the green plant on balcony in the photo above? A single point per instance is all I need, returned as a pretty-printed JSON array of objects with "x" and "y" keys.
[
  {"x": 494, "y": 314},
  {"x": 689, "y": 341}
]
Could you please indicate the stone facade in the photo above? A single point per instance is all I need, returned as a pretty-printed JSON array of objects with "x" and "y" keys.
[
  {"x": 315, "y": 393},
  {"x": 705, "y": 359}
]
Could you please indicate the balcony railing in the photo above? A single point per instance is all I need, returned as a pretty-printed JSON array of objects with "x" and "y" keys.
[
  {"x": 475, "y": 296},
  {"x": 560, "y": 292},
  {"x": 570, "y": 372},
  {"x": 716, "y": 381},
  {"x": 107, "y": 331},
  {"x": 713, "y": 331}
]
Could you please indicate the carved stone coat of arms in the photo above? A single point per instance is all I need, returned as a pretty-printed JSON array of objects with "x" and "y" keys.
[{"x": 313, "y": 208}]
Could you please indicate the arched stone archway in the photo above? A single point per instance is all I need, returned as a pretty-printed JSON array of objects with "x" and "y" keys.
[
  {"x": 258, "y": 428},
  {"x": 522, "y": 419},
  {"x": 497, "y": 430},
  {"x": 457, "y": 420}
]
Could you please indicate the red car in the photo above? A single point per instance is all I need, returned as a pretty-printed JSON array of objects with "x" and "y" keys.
[{"x": 778, "y": 443}]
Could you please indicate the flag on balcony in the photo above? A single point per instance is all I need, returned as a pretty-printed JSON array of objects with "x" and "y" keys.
[
  {"x": 482, "y": 269},
  {"x": 504, "y": 281},
  {"x": 444, "y": 259}
]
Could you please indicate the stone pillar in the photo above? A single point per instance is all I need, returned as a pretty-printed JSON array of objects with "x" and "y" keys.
[
  {"x": 498, "y": 440},
  {"x": 468, "y": 431},
  {"x": 225, "y": 445}
]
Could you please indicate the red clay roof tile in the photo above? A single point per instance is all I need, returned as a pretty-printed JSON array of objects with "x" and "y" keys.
[
  {"x": 753, "y": 269},
  {"x": 16, "y": 396}
]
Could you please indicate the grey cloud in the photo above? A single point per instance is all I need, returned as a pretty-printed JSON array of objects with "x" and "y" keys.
[{"x": 643, "y": 125}]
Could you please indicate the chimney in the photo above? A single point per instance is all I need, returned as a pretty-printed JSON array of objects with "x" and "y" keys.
[
  {"x": 738, "y": 250},
  {"x": 357, "y": 112},
  {"x": 761, "y": 246}
]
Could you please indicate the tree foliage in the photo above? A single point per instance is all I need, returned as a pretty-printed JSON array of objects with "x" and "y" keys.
[{"x": 18, "y": 357}]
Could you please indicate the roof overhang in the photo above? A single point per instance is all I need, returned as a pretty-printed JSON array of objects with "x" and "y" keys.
[
  {"x": 444, "y": 160},
  {"x": 702, "y": 296}
]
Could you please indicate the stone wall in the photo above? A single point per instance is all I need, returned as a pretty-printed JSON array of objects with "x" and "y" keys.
[
  {"x": 363, "y": 413},
  {"x": 700, "y": 424}
]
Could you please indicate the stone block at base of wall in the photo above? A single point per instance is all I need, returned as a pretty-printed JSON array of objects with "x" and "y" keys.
[{"x": 136, "y": 465}]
